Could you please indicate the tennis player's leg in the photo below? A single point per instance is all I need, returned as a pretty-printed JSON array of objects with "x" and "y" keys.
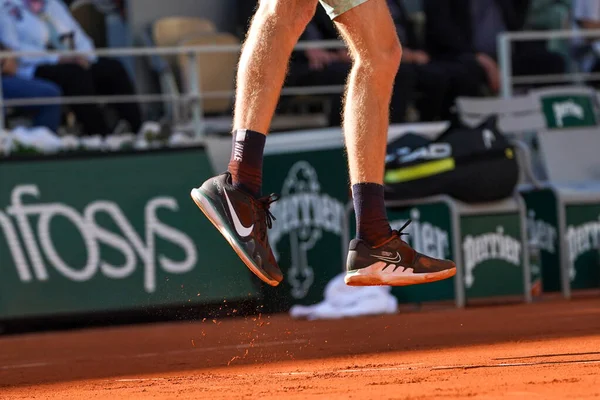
[
  {"x": 377, "y": 256},
  {"x": 232, "y": 201}
]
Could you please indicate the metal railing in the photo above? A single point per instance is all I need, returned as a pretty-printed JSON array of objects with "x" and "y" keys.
[
  {"x": 194, "y": 95},
  {"x": 505, "y": 41}
]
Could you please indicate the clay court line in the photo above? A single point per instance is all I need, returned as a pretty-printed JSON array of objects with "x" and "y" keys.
[
  {"x": 421, "y": 366},
  {"x": 505, "y": 365},
  {"x": 167, "y": 353},
  {"x": 215, "y": 348},
  {"x": 354, "y": 371},
  {"x": 29, "y": 365}
]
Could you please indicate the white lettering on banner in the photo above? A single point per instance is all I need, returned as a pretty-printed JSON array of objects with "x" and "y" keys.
[
  {"x": 489, "y": 246},
  {"x": 541, "y": 234},
  {"x": 425, "y": 237},
  {"x": 582, "y": 239},
  {"x": 434, "y": 151},
  {"x": 127, "y": 242},
  {"x": 566, "y": 109},
  {"x": 303, "y": 213},
  {"x": 488, "y": 138}
]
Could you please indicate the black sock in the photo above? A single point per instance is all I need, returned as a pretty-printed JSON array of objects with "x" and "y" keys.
[
  {"x": 372, "y": 224},
  {"x": 246, "y": 160}
]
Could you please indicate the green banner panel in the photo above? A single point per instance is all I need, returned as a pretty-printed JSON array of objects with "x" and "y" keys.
[
  {"x": 583, "y": 242},
  {"x": 492, "y": 255},
  {"x": 110, "y": 232},
  {"x": 308, "y": 236},
  {"x": 542, "y": 235}
]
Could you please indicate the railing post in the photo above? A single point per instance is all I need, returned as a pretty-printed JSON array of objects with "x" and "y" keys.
[
  {"x": 194, "y": 93},
  {"x": 505, "y": 60},
  {"x": 2, "y": 119}
]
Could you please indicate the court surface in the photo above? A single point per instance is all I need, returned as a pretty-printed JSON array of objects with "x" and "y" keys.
[{"x": 546, "y": 350}]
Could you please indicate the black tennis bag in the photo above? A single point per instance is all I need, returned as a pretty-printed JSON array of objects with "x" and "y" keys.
[{"x": 473, "y": 165}]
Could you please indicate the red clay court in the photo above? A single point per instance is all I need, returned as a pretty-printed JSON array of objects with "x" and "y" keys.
[{"x": 546, "y": 350}]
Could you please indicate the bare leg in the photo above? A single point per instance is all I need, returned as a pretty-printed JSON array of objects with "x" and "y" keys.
[
  {"x": 274, "y": 31},
  {"x": 377, "y": 256},
  {"x": 371, "y": 36}
]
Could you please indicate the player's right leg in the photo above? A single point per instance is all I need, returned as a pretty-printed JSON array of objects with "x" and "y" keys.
[
  {"x": 377, "y": 256},
  {"x": 232, "y": 201}
]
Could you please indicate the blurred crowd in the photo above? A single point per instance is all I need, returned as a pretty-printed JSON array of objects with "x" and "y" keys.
[
  {"x": 42, "y": 25},
  {"x": 450, "y": 50}
]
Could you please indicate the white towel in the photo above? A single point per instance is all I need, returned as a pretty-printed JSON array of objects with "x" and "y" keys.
[{"x": 343, "y": 301}]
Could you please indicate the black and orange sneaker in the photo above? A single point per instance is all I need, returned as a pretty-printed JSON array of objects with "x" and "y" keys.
[
  {"x": 393, "y": 263},
  {"x": 244, "y": 221}
]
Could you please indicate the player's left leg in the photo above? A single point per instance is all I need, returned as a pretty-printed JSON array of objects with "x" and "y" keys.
[
  {"x": 232, "y": 201},
  {"x": 378, "y": 256}
]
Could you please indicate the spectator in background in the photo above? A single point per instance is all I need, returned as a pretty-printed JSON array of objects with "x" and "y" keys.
[
  {"x": 40, "y": 25},
  {"x": 586, "y": 16},
  {"x": 14, "y": 87},
  {"x": 547, "y": 15},
  {"x": 465, "y": 32},
  {"x": 107, "y": 6},
  {"x": 431, "y": 85},
  {"x": 437, "y": 82}
]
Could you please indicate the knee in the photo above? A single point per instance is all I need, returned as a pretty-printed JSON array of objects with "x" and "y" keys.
[
  {"x": 381, "y": 58},
  {"x": 293, "y": 14}
]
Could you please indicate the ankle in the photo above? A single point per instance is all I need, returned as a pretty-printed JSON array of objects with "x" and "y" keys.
[
  {"x": 246, "y": 160},
  {"x": 372, "y": 224}
]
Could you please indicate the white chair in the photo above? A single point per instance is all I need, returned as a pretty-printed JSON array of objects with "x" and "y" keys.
[{"x": 563, "y": 198}]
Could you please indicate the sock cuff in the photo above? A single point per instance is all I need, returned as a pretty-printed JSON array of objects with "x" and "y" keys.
[
  {"x": 367, "y": 188},
  {"x": 247, "y": 135}
]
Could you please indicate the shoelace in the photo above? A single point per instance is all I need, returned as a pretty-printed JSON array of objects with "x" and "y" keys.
[
  {"x": 400, "y": 232},
  {"x": 265, "y": 203}
]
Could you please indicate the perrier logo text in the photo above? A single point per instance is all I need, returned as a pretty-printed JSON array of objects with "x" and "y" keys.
[
  {"x": 582, "y": 239},
  {"x": 304, "y": 213},
  {"x": 565, "y": 109},
  {"x": 489, "y": 246}
]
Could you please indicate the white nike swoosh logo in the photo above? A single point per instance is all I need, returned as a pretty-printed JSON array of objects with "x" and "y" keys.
[
  {"x": 395, "y": 260},
  {"x": 239, "y": 227}
]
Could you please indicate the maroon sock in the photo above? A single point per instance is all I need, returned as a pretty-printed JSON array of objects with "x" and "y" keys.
[
  {"x": 246, "y": 160},
  {"x": 372, "y": 224}
]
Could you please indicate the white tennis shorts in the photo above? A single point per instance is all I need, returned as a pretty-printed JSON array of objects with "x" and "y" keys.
[{"x": 335, "y": 8}]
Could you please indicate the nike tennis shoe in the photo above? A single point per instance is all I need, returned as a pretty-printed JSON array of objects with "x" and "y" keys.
[
  {"x": 393, "y": 263},
  {"x": 244, "y": 222}
]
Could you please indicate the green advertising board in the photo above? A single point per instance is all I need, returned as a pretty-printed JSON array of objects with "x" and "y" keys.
[
  {"x": 310, "y": 232},
  {"x": 579, "y": 239},
  {"x": 113, "y": 232},
  {"x": 543, "y": 238},
  {"x": 582, "y": 237},
  {"x": 493, "y": 255}
]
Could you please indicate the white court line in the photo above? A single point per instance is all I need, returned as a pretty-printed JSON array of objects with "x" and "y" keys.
[
  {"x": 137, "y": 380},
  {"x": 167, "y": 353},
  {"x": 227, "y": 347},
  {"x": 29, "y": 365}
]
